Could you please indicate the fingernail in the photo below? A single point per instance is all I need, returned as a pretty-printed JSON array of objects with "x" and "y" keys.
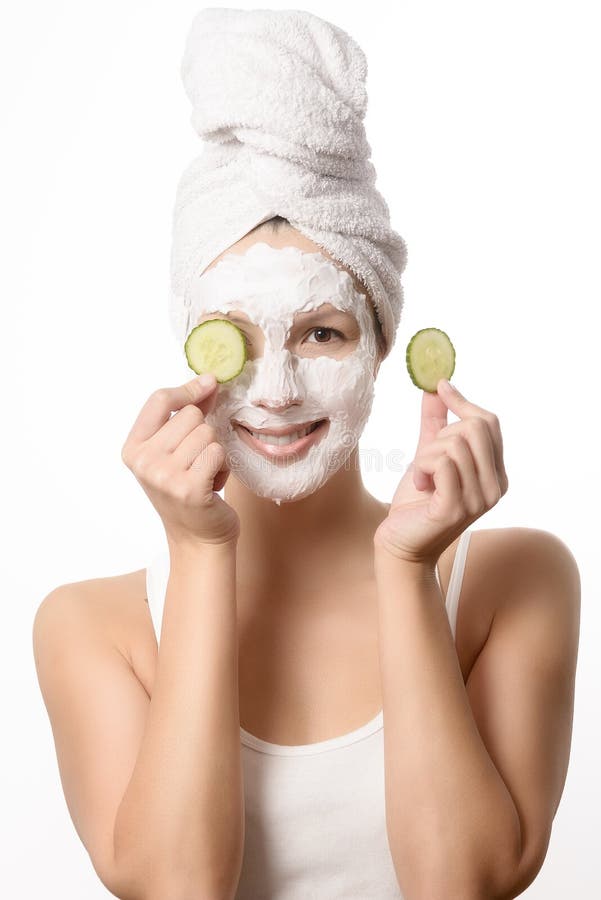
[
  {"x": 206, "y": 380},
  {"x": 448, "y": 386}
]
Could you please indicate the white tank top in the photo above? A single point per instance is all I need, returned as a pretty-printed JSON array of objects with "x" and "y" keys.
[{"x": 315, "y": 818}]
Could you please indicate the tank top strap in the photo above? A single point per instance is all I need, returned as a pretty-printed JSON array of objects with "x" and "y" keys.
[
  {"x": 157, "y": 576},
  {"x": 456, "y": 579}
]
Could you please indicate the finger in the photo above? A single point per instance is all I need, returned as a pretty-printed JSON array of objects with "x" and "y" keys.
[
  {"x": 220, "y": 478},
  {"x": 457, "y": 449},
  {"x": 209, "y": 403},
  {"x": 201, "y": 453},
  {"x": 182, "y": 423},
  {"x": 497, "y": 442},
  {"x": 194, "y": 445},
  {"x": 433, "y": 418},
  {"x": 480, "y": 440},
  {"x": 200, "y": 448},
  {"x": 205, "y": 465},
  {"x": 422, "y": 481},
  {"x": 211, "y": 460},
  {"x": 462, "y": 408},
  {"x": 159, "y": 406},
  {"x": 446, "y": 500}
]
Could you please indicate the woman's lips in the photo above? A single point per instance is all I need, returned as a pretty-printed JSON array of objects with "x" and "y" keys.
[{"x": 275, "y": 452}]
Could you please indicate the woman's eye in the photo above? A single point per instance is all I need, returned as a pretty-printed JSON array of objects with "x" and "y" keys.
[{"x": 323, "y": 330}]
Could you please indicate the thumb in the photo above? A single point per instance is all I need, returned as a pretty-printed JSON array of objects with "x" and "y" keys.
[
  {"x": 434, "y": 419},
  {"x": 202, "y": 391}
]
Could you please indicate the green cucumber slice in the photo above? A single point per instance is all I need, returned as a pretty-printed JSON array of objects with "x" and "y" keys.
[
  {"x": 430, "y": 356},
  {"x": 216, "y": 346}
]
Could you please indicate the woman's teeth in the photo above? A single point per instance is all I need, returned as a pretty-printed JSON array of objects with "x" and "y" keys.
[{"x": 284, "y": 439}]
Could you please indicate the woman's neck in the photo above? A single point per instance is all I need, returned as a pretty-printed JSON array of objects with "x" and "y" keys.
[{"x": 329, "y": 530}]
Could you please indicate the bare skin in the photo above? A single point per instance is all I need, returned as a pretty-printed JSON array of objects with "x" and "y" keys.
[
  {"x": 308, "y": 656},
  {"x": 319, "y": 649}
]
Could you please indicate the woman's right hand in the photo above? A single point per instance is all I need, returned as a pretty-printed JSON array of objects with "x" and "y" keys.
[{"x": 180, "y": 464}]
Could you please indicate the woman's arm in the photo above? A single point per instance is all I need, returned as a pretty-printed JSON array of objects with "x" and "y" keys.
[
  {"x": 457, "y": 828},
  {"x": 181, "y": 820}
]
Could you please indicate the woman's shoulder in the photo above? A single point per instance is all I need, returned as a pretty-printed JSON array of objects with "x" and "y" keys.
[
  {"x": 501, "y": 558},
  {"x": 501, "y": 552},
  {"x": 108, "y": 595},
  {"x": 498, "y": 563},
  {"x": 114, "y": 605}
]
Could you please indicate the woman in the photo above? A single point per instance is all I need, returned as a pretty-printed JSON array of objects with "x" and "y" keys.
[
  {"x": 298, "y": 713},
  {"x": 336, "y": 609}
]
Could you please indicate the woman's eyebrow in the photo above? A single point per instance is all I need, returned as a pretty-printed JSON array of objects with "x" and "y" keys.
[
  {"x": 299, "y": 317},
  {"x": 328, "y": 311}
]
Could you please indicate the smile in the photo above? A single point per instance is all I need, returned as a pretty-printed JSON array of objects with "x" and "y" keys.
[{"x": 284, "y": 445}]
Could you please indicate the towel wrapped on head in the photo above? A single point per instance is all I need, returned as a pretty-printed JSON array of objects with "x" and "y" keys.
[{"x": 279, "y": 100}]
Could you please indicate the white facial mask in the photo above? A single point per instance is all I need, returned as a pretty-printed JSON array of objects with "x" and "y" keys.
[{"x": 270, "y": 286}]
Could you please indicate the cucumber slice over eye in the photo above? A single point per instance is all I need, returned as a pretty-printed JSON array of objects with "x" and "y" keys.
[
  {"x": 216, "y": 346},
  {"x": 430, "y": 356}
]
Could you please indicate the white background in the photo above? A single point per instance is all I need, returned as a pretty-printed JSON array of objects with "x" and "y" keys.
[{"x": 483, "y": 122}]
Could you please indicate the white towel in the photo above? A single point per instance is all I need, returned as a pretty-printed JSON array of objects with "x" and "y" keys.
[{"x": 279, "y": 100}]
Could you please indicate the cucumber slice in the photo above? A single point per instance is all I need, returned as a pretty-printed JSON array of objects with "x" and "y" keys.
[
  {"x": 430, "y": 356},
  {"x": 216, "y": 346}
]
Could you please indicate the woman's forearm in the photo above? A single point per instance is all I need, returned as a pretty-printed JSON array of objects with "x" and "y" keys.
[
  {"x": 180, "y": 826},
  {"x": 451, "y": 822}
]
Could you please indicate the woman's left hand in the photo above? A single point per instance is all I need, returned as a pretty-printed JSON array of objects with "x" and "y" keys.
[{"x": 457, "y": 475}]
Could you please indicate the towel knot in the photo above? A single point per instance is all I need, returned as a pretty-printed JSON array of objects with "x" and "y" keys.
[{"x": 278, "y": 99}]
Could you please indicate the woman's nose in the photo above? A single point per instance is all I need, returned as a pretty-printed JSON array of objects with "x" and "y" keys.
[{"x": 274, "y": 383}]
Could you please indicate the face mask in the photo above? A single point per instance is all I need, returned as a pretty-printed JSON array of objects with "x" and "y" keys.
[{"x": 270, "y": 286}]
